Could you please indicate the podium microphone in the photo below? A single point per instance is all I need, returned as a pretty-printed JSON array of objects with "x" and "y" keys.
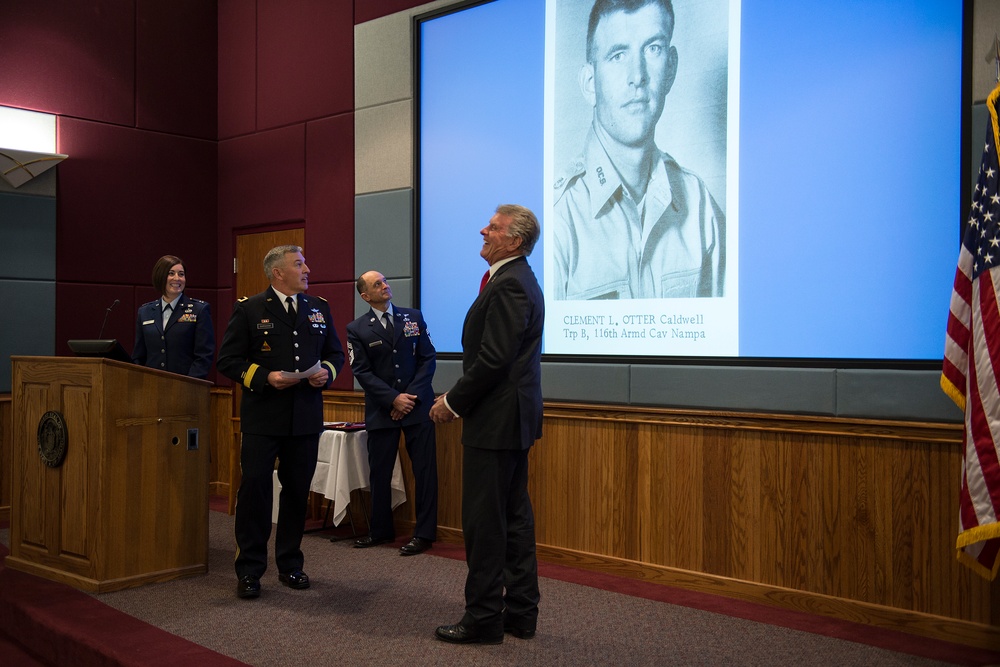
[{"x": 100, "y": 335}]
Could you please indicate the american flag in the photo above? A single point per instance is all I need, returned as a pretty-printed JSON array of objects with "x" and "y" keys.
[{"x": 971, "y": 368}]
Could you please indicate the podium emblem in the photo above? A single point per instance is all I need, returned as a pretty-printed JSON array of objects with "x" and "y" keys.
[{"x": 52, "y": 438}]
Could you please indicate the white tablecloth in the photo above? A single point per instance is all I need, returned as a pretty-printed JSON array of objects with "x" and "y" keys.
[{"x": 342, "y": 467}]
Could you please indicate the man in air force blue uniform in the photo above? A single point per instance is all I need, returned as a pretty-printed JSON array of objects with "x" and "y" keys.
[{"x": 394, "y": 363}]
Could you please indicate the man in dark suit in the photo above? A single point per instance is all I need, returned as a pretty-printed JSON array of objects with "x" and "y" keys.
[
  {"x": 281, "y": 346},
  {"x": 499, "y": 397},
  {"x": 393, "y": 359}
]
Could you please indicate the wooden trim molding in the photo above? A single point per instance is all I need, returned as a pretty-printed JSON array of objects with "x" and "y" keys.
[{"x": 748, "y": 421}]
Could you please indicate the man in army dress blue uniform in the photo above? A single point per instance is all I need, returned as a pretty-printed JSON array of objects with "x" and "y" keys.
[{"x": 281, "y": 346}]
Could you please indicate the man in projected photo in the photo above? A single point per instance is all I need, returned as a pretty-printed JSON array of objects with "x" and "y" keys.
[{"x": 629, "y": 222}]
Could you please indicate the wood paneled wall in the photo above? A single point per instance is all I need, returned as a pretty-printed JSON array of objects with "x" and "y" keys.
[
  {"x": 853, "y": 519},
  {"x": 220, "y": 465}
]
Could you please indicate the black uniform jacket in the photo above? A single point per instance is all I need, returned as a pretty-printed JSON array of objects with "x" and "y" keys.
[{"x": 261, "y": 338}]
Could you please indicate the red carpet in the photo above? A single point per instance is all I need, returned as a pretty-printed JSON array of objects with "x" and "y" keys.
[{"x": 47, "y": 623}]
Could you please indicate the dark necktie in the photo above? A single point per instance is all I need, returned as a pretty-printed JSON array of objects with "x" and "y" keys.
[
  {"x": 486, "y": 279},
  {"x": 388, "y": 324},
  {"x": 291, "y": 306},
  {"x": 168, "y": 310}
]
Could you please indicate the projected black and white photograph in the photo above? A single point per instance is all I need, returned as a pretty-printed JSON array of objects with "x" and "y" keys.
[
  {"x": 630, "y": 218},
  {"x": 640, "y": 132}
]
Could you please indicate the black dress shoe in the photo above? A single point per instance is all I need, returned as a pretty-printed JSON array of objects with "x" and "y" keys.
[
  {"x": 296, "y": 579},
  {"x": 520, "y": 628},
  {"x": 248, "y": 587},
  {"x": 520, "y": 633},
  {"x": 417, "y": 545},
  {"x": 369, "y": 541},
  {"x": 462, "y": 634}
]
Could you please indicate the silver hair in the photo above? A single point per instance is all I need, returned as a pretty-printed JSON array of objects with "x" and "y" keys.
[
  {"x": 275, "y": 256},
  {"x": 523, "y": 225}
]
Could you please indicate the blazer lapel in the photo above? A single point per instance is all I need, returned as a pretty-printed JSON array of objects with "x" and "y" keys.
[
  {"x": 275, "y": 307},
  {"x": 488, "y": 288},
  {"x": 301, "y": 309},
  {"x": 396, "y": 326},
  {"x": 157, "y": 315}
]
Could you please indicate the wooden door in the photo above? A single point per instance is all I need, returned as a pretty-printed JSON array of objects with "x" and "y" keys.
[{"x": 250, "y": 251}]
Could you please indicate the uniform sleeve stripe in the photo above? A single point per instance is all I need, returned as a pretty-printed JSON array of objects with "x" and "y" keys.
[
  {"x": 333, "y": 372},
  {"x": 248, "y": 376}
]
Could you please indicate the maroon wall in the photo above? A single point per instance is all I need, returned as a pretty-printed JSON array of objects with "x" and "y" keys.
[
  {"x": 188, "y": 123},
  {"x": 134, "y": 85},
  {"x": 366, "y": 10},
  {"x": 286, "y": 138}
]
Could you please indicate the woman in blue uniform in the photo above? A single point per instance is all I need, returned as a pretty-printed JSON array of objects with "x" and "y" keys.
[{"x": 174, "y": 333}]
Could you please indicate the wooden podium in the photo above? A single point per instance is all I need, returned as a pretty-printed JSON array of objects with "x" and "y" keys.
[{"x": 128, "y": 503}]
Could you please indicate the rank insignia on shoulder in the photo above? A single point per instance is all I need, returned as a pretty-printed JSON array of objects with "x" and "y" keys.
[{"x": 242, "y": 299}]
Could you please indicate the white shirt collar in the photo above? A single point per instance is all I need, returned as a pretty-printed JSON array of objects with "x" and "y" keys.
[
  {"x": 501, "y": 262},
  {"x": 282, "y": 297},
  {"x": 173, "y": 304}
]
